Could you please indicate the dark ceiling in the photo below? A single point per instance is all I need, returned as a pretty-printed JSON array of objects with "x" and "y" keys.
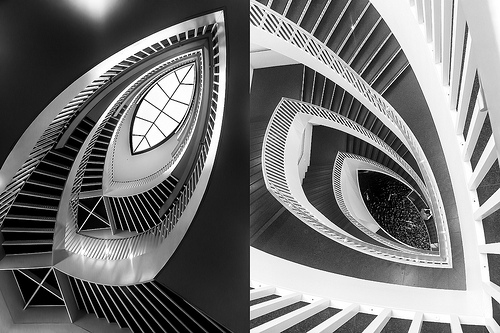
[{"x": 46, "y": 45}]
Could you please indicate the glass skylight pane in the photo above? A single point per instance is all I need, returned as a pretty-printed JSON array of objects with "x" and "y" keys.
[
  {"x": 189, "y": 78},
  {"x": 157, "y": 97},
  {"x": 143, "y": 145},
  {"x": 183, "y": 93},
  {"x": 141, "y": 126},
  {"x": 176, "y": 110},
  {"x": 166, "y": 124},
  {"x": 169, "y": 84},
  {"x": 163, "y": 108},
  {"x": 135, "y": 141},
  {"x": 148, "y": 112},
  {"x": 154, "y": 136},
  {"x": 181, "y": 72}
]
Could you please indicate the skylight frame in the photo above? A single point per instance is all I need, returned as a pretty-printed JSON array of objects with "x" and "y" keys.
[{"x": 154, "y": 83}]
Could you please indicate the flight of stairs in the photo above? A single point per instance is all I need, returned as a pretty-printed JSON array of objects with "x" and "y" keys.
[
  {"x": 143, "y": 307},
  {"x": 274, "y": 309},
  {"x": 28, "y": 227},
  {"x": 264, "y": 208},
  {"x": 355, "y": 31},
  {"x": 318, "y": 90},
  {"x": 318, "y": 188}
]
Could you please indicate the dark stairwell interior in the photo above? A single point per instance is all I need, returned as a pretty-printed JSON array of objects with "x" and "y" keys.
[{"x": 285, "y": 236}]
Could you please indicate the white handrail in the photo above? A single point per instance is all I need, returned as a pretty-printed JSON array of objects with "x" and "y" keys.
[
  {"x": 278, "y": 26},
  {"x": 150, "y": 239},
  {"x": 339, "y": 197},
  {"x": 274, "y": 172}
]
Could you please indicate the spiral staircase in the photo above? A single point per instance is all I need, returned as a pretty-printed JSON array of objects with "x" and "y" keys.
[
  {"x": 77, "y": 258},
  {"x": 422, "y": 58}
]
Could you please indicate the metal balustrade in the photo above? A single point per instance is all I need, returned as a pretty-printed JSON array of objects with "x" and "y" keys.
[
  {"x": 144, "y": 307},
  {"x": 153, "y": 232},
  {"x": 447, "y": 29},
  {"x": 67, "y": 115},
  {"x": 278, "y": 26},
  {"x": 339, "y": 197},
  {"x": 273, "y": 168},
  {"x": 457, "y": 53},
  {"x": 141, "y": 307},
  {"x": 335, "y": 314},
  {"x": 149, "y": 237}
]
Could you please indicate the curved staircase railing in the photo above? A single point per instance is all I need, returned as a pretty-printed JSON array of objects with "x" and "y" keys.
[
  {"x": 274, "y": 171},
  {"x": 270, "y": 22}
]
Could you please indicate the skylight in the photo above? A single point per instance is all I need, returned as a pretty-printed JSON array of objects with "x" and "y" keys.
[{"x": 163, "y": 109}]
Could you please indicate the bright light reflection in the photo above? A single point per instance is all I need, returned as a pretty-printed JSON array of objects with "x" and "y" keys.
[{"x": 96, "y": 10}]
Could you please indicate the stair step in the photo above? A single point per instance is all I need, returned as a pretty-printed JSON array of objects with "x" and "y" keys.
[
  {"x": 105, "y": 135},
  {"x": 59, "y": 154},
  {"x": 55, "y": 187},
  {"x": 28, "y": 242},
  {"x": 35, "y": 206},
  {"x": 57, "y": 165},
  {"x": 26, "y": 261},
  {"x": 40, "y": 195},
  {"x": 70, "y": 147},
  {"x": 87, "y": 177},
  {"x": 50, "y": 174},
  {"x": 95, "y": 162},
  {"x": 30, "y": 218},
  {"x": 84, "y": 183},
  {"x": 98, "y": 153},
  {"x": 28, "y": 230}
]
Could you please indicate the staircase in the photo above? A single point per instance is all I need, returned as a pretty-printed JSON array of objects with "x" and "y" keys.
[
  {"x": 318, "y": 90},
  {"x": 28, "y": 227},
  {"x": 92, "y": 178},
  {"x": 264, "y": 208},
  {"x": 144, "y": 307},
  {"x": 362, "y": 148},
  {"x": 140, "y": 212},
  {"x": 274, "y": 309},
  {"x": 355, "y": 31},
  {"x": 318, "y": 188}
]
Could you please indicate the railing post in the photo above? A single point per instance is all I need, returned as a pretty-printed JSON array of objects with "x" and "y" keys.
[
  {"x": 456, "y": 53},
  {"x": 275, "y": 304},
  {"x": 437, "y": 32},
  {"x": 378, "y": 323},
  {"x": 337, "y": 320},
  {"x": 286, "y": 321},
  {"x": 428, "y": 20},
  {"x": 455, "y": 324},
  {"x": 416, "y": 323},
  {"x": 489, "y": 207},
  {"x": 476, "y": 124},
  {"x": 483, "y": 165},
  {"x": 420, "y": 11},
  {"x": 468, "y": 75},
  {"x": 492, "y": 290},
  {"x": 482, "y": 19},
  {"x": 493, "y": 248}
]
